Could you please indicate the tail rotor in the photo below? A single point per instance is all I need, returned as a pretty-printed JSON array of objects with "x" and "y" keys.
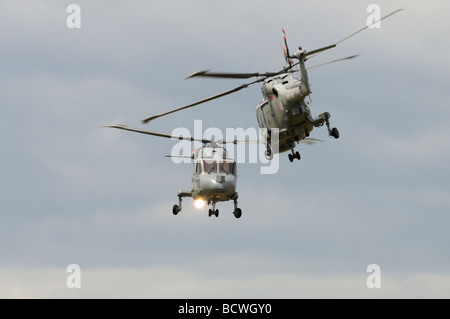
[{"x": 285, "y": 49}]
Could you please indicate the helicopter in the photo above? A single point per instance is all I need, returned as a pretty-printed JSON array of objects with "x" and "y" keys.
[
  {"x": 284, "y": 113},
  {"x": 214, "y": 175}
]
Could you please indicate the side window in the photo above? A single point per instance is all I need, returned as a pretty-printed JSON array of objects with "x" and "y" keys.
[{"x": 259, "y": 114}]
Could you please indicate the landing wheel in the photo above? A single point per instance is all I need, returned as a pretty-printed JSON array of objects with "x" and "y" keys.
[
  {"x": 335, "y": 133},
  {"x": 294, "y": 155},
  {"x": 213, "y": 212},
  {"x": 269, "y": 154},
  {"x": 237, "y": 213},
  {"x": 175, "y": 209}
]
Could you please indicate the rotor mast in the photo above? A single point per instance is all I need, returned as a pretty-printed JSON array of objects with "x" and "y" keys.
[{"x": 305, "y": 88}]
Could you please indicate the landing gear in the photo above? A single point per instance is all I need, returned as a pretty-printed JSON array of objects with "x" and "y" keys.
[
  {"x": 213, "y": 212},
  {"x": 331, "y": 132},
  {"x": 177, "y": 208},
  {"x": 325, "y": 118},
  {"x": 237, "y": 211},
  {"x": 294, "y": 155},
  {"x": 269, "y": 153},
  {"x": 335, "y": 133}
]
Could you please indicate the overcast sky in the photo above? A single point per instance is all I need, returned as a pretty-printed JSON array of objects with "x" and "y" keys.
[{"x": 73, "y": 192}]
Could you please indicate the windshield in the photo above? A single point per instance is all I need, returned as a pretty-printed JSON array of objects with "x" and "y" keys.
[
  {"x": 208, "y": 167},
  {"x": 227, "y": 168}
]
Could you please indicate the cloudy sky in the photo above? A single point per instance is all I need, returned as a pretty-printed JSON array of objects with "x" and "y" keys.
[{"x": 73, "y": 192}]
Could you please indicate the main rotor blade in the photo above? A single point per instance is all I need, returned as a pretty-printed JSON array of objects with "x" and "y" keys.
[
  {"x": 128, "y": 128},
  {"x": 243, "y": 86},
  {"x": 342, "y": 59},
  {"x": 310, "y": 140},
  {"x": 178, "y": 156},
  {"x": 316, "y": 51},
  {"x": 307, "y": 141},
  {"x": 207, "y": 73},
  {"x": 368, "y": 26},
  {"x": 240, "y": 142},
  {"x": 353, "y": 34}
]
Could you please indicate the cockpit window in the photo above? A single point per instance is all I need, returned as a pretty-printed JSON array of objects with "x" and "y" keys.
[
  {"x": 227, "y": 168},
  {"x": 209, "y": 166}
]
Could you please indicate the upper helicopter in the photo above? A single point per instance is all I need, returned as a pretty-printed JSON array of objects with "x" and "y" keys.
[{"x": 283, "y": 114}]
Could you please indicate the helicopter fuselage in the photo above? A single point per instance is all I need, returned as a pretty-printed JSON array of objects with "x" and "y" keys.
[
  {"x": 283, "y": 115},
  {"x": 285, "y": 109},
  {"x": 214, "y": 175},
  {"x": 214, "y": 179}
]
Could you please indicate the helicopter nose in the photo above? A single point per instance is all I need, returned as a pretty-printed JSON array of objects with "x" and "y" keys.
[{"x": 218, "y": 184}]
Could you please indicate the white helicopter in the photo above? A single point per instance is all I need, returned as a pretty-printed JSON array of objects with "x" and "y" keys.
[
  {"x": 284, "y": 112},
  {"x": 214, "y": 175}
]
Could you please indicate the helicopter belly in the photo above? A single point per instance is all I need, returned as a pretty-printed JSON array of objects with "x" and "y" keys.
[
  {"x": 285, "y": 142},
  {"x": 288, "y": 138},
  {"x": 298, "y": 116}
]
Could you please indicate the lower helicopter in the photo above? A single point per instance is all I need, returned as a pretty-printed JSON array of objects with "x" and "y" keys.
[{"x": 214, "y": 175}]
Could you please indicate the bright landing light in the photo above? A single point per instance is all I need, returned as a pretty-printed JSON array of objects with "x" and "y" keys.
[{"x": 199, "y": 203}]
